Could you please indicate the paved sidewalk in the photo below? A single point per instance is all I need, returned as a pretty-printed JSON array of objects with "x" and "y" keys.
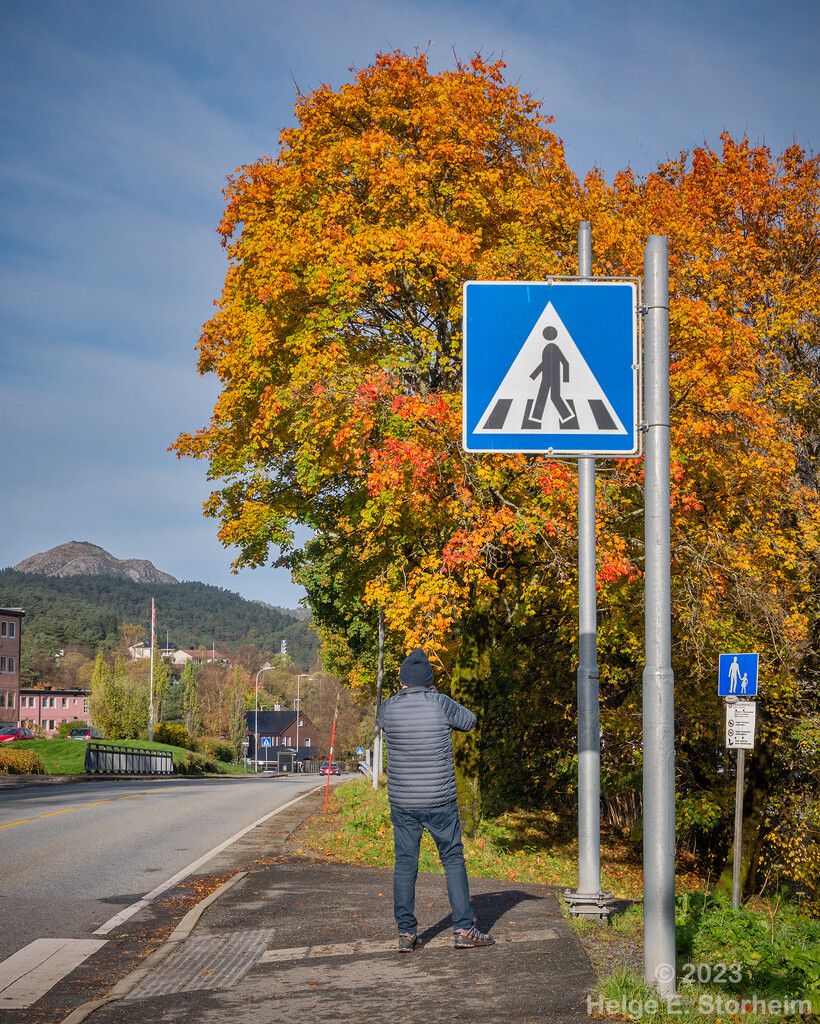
[
  {"x": 292, "y": 938},
  {"x": 301, "y": 940}
]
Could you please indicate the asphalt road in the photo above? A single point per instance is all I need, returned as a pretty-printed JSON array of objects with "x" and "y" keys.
[{"x": 73, "y": 856}]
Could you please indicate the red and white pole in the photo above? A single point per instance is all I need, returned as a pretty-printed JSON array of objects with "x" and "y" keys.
[{"x": 330, "y": 761}]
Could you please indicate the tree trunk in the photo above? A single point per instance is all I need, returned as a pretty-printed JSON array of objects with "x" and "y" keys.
[
  {"x": 755, "y": 793},
  {"x": 467, "y": 687}
]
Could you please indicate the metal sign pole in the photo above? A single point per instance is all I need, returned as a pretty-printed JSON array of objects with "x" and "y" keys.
[
  {"x": 658, "y": 678},
  {"x": 741, "y": 769},
  {"x": 588, "y": 900}
]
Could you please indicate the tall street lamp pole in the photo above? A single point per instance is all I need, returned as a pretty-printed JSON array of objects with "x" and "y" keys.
[
  {"x": 267, "y": 668},
  {"x": 299, "y": 679}
]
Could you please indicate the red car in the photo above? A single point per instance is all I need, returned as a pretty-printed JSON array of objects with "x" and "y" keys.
[
  {"x": 15, "y": 732},
  {"x": 329, "y": 768}
]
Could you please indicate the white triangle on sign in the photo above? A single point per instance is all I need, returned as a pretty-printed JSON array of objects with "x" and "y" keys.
[{"x": 549, "y": 389}]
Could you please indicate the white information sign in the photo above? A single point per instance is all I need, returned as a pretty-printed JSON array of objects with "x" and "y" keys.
[{"x": 740, "y": 725}]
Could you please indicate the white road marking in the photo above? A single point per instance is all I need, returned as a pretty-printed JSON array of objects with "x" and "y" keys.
[
  {"x": 29, "y": 973},
  {"x": 123, "y": 915},
  {"x": 368, "y": 946}
]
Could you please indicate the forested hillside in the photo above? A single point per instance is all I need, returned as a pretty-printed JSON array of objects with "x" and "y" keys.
[{"x": 90, "y": 611}]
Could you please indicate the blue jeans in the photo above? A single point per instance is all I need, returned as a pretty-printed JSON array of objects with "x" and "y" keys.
[{"x": 443, "y": 825}]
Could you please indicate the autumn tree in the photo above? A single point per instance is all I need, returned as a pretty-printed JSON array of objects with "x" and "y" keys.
[
  {"x": 337, "y": 340},
  {"x": 119, "y": 698},
  {"x": 190, "y": 702}
]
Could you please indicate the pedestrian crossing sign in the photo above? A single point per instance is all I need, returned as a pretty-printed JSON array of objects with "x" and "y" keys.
[{"x": 552, "y": 367}]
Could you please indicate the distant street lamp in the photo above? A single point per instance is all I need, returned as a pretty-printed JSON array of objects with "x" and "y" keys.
[
  {"x": 267, "y": 668},
  {"x": 298, "y": 703}
]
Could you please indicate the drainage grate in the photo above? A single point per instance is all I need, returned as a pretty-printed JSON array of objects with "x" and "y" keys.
[{"x": 205, "y": 961}]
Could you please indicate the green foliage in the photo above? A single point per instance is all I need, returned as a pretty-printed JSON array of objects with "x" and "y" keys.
[
  {"x": 173, "y": 710},
  {"x": 729, "y": 963},
  {"x": 190, "y": 699},
  {"x": 175, "y": 735},
  {"x": 89, "y": 610},
  {"x": 192, "y": 763},
  {"x": 215, "y": 749},
  {"x": 779, "y": 953},
  {"x": 20, "y": 762}
]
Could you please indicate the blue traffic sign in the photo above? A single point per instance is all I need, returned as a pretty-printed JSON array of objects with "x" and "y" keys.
[
  {"x": 737, "y": 675},
  {"x": 359, "y": 751},
  {"x": 551, "y": 367},
  {"x": 265, "y": 741}
]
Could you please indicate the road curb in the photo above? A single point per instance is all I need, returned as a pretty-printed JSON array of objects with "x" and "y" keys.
[{"x": 178, "y": 935}]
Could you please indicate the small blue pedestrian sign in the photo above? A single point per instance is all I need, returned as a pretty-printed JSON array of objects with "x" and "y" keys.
[
  {"x": 737, "y": 675},
  {"x": 551, "y": 366},
  {"x": 359, "y": 751},
  {"x": 265, "y": 741}
]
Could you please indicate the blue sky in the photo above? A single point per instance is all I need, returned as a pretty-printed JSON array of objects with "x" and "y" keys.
[{"x": 120, "y": 121}]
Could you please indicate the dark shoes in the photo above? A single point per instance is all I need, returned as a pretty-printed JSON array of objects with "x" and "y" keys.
[
  {"x": 472, "y": 938},
  {"x": 407, "y": 943}
]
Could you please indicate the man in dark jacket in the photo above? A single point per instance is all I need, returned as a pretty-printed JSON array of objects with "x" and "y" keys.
[{"x": 421, "y": 787}]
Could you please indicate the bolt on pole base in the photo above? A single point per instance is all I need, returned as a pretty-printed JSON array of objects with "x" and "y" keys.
[{"x": 594, "y": 906}]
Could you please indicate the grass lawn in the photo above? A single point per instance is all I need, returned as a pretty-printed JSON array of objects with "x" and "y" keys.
[
  {"x": 67, "y": 757},
  {"x": 523, "y": 846}
]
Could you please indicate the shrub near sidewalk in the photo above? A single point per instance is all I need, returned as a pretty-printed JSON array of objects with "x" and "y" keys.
[
  {"x": 20, "y": 762},
  {"x": 753, "y": 964}
]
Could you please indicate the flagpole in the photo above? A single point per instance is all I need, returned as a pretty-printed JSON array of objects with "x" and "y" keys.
[{"x": 151, "y": 697}]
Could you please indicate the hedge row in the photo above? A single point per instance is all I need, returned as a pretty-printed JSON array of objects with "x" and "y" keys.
[{"x": 20, "y": 762}]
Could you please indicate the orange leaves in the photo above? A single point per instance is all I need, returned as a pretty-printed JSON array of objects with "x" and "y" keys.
[{"x": 337, "y": 340}]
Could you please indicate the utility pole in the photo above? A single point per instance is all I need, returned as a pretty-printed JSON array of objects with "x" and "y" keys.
[
  {"x": 298, "y": 703},
  {"x": 658, "y": 678},
  {"x": 267, "y": 668},
  {"x": 588, "y": 900}
]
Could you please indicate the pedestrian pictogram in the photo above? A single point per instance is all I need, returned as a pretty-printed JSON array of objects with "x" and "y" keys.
[
  {"x": 737, "y": 675},
  {"x": 550, "y": 388},
  {"x": 551, "y": 367}
]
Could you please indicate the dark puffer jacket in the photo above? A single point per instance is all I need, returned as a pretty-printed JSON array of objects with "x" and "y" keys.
[{"x": 418, "y": 723}]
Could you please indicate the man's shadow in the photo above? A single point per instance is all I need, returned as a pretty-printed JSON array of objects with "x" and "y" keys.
[{"x": 489, "y": 908}]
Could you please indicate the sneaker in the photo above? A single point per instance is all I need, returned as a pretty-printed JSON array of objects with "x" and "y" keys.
[
  {"x": 473, "y": 937},
  {"x": 407, "y": 943}
]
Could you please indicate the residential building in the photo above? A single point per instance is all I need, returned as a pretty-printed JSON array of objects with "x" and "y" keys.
[
  {"x": 48, "y": 706},
  {"x": 277, "y": 731},
  {"x": 11, "y": 627},
  {"x": 200, "y": 657}
]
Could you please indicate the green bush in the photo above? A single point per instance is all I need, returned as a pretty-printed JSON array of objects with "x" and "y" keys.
[
  {"x": 173, "y": 735},
  {"x": 194, "y": 764},
  {"x": 215, "y": 748},
  {"x": 20, "y": 762}
]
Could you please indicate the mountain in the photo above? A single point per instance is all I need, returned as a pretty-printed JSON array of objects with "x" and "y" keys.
[
  {"x": 80, "y": 558},
  {"x": 90, "y": 610}
]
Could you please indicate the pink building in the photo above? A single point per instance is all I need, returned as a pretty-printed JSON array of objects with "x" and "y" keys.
[
  {"x": 11, "y": 621},
  {"x": 49, "y": 706}
]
